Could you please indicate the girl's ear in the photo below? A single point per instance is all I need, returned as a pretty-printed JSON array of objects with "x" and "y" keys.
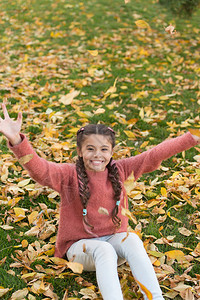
[{"x": 79, "y": 151}]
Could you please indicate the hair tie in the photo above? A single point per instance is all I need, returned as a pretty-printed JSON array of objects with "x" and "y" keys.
[
  {"x": 111, "y": 130},
  {"x": 80, "y": 130},
  {"x": 84, "y": 211},
  {"x": 117, "y": 203}
]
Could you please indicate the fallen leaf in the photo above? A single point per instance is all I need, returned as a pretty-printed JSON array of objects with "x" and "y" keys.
[
  {"x": 145, "y": 290},
  {"x": 142, "y": 24},
  {"x": 67, "y": 99},
  {"x": 170, "y": 29},
  {"x": 3, "y": 291},
  {"x": 194, "y": 132},
  {"x": 184, "y": 231},
  {"x": 25, "y": 159},
  {"x": 20, "y": 294},
  {"x": 103, "y": 211},
  {"x": 93, "y": 52}
]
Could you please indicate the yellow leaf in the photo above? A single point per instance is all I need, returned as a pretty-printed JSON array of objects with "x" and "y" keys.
[
  {"x": 25, "y": 159},
  {"x": 129, "y": 133},
  {"x": 24, "y": 182},
  {"x": 195, "y": 132},
  {"x": 75, "y": 267},
  {"x": 19, "y": 212},
  {"x": 173, "y": 218},
  {"x": 145, "y": 290},
  {"x": 141, "y": 113},
  {"x": 99, "y": 111},
  {"x": 112, "y": 89},
  {"x": 29, "y": 276},
  {"x": 59, "y": 261},
  {"x": 74, "y": 130},
  {"x": 32, "y": 217},
  {"x": 144, "y": 144},
  {"x": 197, "y": 249},
  {"x": 93, "y": 52},
  {"x": 175, "y": 254},
  {"x": 24, "y": 243},
  {"x": 142, "y": 24},
  {"x": 127, "y": 213},
  {"x": 163, "y": 192}
]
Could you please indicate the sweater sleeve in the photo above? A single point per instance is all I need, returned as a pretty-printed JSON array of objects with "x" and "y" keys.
[
  {"x": 151, "y": 159},
  {"x": 44, "y": 172}
]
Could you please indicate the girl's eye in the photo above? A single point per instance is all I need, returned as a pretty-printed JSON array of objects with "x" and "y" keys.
[
  {"x": 90, "y": 149},
  {"x": 104, "y": 149}
]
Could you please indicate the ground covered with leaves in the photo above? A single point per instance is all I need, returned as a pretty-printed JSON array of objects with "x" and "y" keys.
[{"x": 132, "y": 66}]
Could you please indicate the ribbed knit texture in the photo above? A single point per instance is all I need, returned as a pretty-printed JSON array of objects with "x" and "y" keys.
[{"x": 63, "y": 179}]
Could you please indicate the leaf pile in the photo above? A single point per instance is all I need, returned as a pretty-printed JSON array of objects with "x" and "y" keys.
[{"x": 133, "y": 68}]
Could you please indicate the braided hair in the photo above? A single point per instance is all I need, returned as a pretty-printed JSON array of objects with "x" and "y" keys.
[{"x": 113, "y": 173}]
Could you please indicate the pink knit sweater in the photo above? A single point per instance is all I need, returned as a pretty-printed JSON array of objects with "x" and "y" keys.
[{"x": 63, "y": 179}]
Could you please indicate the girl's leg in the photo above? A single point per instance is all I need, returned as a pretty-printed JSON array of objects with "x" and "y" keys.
[
  {"x": 99, "y": 255},
  {"x": 133, "y": 251}
]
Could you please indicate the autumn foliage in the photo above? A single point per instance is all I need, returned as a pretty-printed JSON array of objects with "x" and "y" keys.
[{"x": 131, "y": 66}]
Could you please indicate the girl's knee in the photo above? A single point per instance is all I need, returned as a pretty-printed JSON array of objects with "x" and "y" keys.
[{"x": 105, "y": 251}]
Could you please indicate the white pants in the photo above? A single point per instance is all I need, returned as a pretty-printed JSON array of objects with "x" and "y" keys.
[{"x": 104, "y": 254}]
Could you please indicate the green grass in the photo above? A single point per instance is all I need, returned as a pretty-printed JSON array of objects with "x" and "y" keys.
[{"x": 44, "y": 54}]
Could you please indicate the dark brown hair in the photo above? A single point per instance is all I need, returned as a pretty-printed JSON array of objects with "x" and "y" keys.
[{"x": 113, "y": 173}]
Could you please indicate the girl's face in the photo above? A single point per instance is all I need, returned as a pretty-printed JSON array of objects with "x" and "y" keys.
[{"x": 96, "y": 152}]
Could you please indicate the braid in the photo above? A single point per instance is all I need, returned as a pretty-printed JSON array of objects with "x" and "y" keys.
[
  {"x": 113, "y": 175},
  {"x": 82, "y": 182},
  {"x": 84, "y": 191}
]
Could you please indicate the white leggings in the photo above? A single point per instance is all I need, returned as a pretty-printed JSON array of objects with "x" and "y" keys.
[{"x": 104, "y": 254}]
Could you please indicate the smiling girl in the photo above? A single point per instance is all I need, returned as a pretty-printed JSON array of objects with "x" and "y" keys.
[{"x": 98, "y": 241}]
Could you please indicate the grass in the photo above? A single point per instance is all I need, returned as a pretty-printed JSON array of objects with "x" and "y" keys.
[{"x": 44, "y": 54}]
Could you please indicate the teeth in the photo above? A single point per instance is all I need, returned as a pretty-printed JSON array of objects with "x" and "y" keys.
[{"x": 97, "y": 162}]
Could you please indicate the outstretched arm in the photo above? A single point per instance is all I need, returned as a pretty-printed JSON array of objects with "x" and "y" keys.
[
  {"x": 46, "y": 173},
  {"x": 10, "y": 128},
  {"x": 150, "y": 160}
]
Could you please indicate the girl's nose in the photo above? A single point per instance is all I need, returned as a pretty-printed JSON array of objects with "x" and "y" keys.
[{"x": 97, "y": 153}]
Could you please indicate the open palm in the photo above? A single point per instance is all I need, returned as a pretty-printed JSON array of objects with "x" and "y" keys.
[{"x": 9, "y": 127}]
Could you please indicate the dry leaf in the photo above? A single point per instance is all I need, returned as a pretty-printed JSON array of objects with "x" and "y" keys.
[
  {"x": 20, "y": 294},
  {"x": 170, "y": 29},
  {"x": 142, "y": 24},
  {"x": 67, "y": 99},
  {"x": 93, "y": 52},
  {"x": 145, "y": 290},
  {"x": 25, "y": 159},
  {"x": 184, "y": 231},
  {"x": 103, "y": 211},
  {"x": 3, "y": 291},
  {"x": 127, "y": 213},
  {"x": 194, "y": 131},
  {"x": 6, "y": 227}
]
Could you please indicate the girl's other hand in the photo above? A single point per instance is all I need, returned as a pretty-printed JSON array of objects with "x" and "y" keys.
[{"x": 10, "y": 128}]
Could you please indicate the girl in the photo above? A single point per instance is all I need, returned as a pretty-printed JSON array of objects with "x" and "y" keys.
[{"x": 98, "y": 241}]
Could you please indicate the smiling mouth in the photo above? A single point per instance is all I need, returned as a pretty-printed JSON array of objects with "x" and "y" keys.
[{"x": 96, "y": 162}]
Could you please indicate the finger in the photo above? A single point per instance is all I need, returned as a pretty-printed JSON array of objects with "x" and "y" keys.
[
  {"x": 19, "y": 117},
  {"x": 5, "y": 112}
]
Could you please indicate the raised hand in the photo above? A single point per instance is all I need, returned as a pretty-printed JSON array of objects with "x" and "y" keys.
[{"x": 10, "y": 128}]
